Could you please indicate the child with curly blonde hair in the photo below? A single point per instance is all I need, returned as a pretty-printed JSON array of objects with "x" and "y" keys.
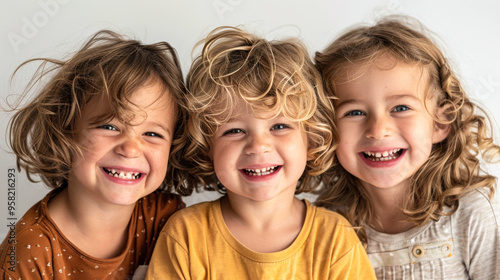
[
  {"x": 407, "y": 169},
  {"x": 259, "y": 131},
  {"x": 99, "y": 133}
]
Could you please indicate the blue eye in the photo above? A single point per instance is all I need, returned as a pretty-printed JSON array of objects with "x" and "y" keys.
[
  {"x": 233, "y": 131},
  {"x": 279, "y": 126},
  {"x": 401, "y": 108},
  {"x": 153, "y": 134},
  {"x": 354, "y": 113}
]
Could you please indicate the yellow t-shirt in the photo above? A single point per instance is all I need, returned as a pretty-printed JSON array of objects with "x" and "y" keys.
[{"x": 196, "y": 244}]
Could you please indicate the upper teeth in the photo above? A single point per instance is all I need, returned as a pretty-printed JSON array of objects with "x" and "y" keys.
[
  {"x": 260, "y": 172},
  {"x": 382, "y": 154},
  {"x": 123, "y": 174}
]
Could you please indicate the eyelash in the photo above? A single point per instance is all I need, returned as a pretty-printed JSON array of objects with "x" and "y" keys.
[
  {"x": 232, "y": 131},
  {"x": 108, "y": 127},
  {"x": 360, "y": 113},
  {"x": 113, "y": 128},
  {"x": 401, "y": 106},
  {"x": 278, "y": 126}
]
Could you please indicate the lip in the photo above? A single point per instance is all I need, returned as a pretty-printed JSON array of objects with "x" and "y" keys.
[
  {"x": 270, "y": 171},
  {"x": 123, "y": 175},
  {"x": 385, "y": 163}
]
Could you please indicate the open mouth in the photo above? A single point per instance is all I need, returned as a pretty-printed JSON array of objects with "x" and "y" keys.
[
  {"x": 123, "y": 174},
  {"x": 383, "y": 156},
  {"x": 261, "y": 172}
]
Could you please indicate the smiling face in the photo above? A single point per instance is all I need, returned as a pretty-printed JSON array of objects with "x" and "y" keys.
[
  {"x": 259, "y": 158},
  {"x": 386, "y": 132},
  {"x": 121, "y": 163}
]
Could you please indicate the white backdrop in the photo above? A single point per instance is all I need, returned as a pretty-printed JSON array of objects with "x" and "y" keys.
[{"x": 469, "y": 33}]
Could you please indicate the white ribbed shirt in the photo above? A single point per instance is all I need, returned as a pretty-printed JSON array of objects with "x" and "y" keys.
[{"x": 465, "y": 245}]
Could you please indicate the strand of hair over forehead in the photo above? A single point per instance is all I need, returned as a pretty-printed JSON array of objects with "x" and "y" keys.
[{"x": 224, "y": 45}]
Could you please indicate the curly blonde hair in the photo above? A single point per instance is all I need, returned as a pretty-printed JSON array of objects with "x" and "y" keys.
[
  {"x": 276, "y": 76},
  {"x": 42, "y": 132},
  {"x": 453, "y": 167}
]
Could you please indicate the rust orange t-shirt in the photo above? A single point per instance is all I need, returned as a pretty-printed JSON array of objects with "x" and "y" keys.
[{"x": 41, "y": 251}]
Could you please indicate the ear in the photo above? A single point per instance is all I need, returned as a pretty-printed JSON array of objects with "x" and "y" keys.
[{"x": 441, "y": 131}]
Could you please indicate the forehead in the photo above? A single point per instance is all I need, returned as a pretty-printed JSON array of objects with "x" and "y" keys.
[
  {"x": 243, "y": 109},
  {"x": 385, "y": 73},
  {"x": 152, "y": 99}
]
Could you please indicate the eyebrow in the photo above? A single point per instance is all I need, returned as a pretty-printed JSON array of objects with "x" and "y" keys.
[
  {"x": 390, "y": 97},
  {"x": 162, "y": 127}
]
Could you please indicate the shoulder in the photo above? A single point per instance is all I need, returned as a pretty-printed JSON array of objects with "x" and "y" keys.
[
  {"x": 476, "y": 207},
  {"x": 194, "y": 213},
  {"x": 28, "y": 244},
  {"x": 324, "y": 215},
  {"x": 332, "y": 225},
  {"x": 478, "y": 200},
  {"x": 163, "y": 200}
]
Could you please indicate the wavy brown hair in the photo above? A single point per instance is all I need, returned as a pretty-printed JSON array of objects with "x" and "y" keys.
[
  {"x": 277, "y": 76},
  {"x": 453, "y": 167},
  {"x": 108, "y": 66}
]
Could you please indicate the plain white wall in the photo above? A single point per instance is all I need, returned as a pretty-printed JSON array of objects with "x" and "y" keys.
[{"x": 468, "y": 32}]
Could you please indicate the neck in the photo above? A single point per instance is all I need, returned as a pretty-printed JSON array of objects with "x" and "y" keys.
[
  {"x": 264, "y": 226},
  {"x": 387, "y": 204},
  {"x": 86, "y": 223}
]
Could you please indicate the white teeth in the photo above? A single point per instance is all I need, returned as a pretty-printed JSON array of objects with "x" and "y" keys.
[
  {"x": 123, "y": 174},
  {"x": 261, "y": 172},
  {"x": 382, "y": 156}
]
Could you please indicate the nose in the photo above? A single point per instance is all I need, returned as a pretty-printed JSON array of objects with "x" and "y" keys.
[
  {"x": 258, "y": 144},
  {"x": 129, "y": 147},
  {"x": 378, "y": 127}
]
